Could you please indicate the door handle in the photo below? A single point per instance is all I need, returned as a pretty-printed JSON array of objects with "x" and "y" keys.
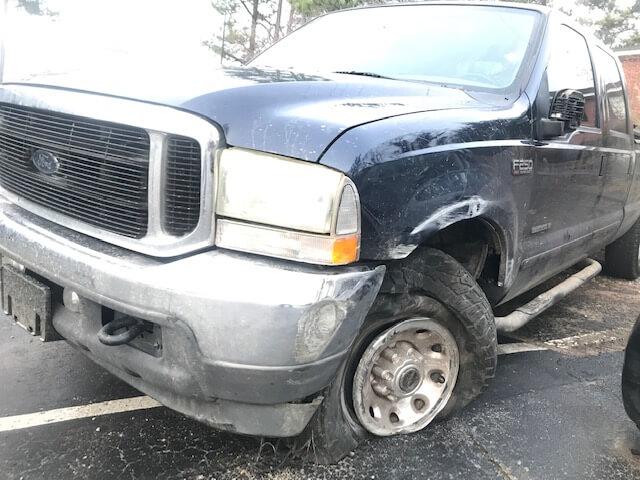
[{"x": 603, "y": 165}]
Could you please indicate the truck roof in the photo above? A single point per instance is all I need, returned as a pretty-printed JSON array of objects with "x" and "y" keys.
[{"x": 523, "y": 6}]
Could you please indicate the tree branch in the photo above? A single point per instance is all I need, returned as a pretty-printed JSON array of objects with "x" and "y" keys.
[
  {"x": 245, "y": 7},
  {"x": 233, "y": 57},
  {"x": 260, "y": 16}
]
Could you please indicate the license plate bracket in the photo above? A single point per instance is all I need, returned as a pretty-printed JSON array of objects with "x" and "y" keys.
[{"x": 28, "y": 301}]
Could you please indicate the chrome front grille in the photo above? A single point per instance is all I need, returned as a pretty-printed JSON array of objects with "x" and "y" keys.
[
  {"x": 102, "y": 173},
  {"x": 182, "y": 188},
  {"x": 133, "y": 174}
]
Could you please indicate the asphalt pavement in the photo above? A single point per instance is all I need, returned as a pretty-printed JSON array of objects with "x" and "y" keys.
[{"x": 553, "y": 411}]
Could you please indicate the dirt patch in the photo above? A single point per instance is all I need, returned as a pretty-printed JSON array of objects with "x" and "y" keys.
[{"x": 592, "y": 343}]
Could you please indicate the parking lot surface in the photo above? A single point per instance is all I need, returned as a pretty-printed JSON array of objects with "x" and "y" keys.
[{"x": 554, "y": 410}]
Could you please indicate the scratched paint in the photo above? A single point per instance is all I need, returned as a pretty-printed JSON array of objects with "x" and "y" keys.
[{"x": 463, "y": 210}]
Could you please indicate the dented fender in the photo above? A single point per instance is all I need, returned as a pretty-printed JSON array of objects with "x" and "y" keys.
[{"x": 420, "y": 173}]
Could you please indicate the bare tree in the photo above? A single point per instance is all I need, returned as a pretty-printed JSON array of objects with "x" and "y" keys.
[
  {"x": 249, "y": 27},
  {"x": 35, "y": 7},
  {"x": 254, "y": 23},
  {"x": 3, "y": 23},
  {"x": 276, "y": 34},
  {"x": 614, "y": 22}
]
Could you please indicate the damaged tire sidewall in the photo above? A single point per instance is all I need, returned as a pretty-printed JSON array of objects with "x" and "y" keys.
[
  {"x": 467, "y": 315},
  {"x": 392, "y": 310},
  {"x": 337, "y": 410}
]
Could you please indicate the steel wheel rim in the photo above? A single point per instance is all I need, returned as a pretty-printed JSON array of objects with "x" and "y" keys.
[{"x": 405, "y": 377}]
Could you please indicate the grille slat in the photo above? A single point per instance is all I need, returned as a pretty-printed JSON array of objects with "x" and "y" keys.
[
  {"x": 91, "y": 129},
  {"x": 44, "y": 127},
  {"x": 89, "y": 199},
  {"x": 82, "y": 161},
  {"x": 59, "y": 128},
  {"x": 45, "y": 136},
  {"x": 46, "y": 117},
  {"x": 103, "y": 174},
  {"x": 182, "y": 194},
  {"x": 123, "y": 187},
  {"x": 117, "y": 227},
  {"x": 89, "y": 187}
]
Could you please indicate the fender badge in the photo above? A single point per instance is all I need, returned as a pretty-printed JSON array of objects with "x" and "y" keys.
[{"x": 521, "y": 166}]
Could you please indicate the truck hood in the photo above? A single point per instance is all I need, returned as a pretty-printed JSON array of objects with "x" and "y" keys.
[{"x": 288, "y": 113}]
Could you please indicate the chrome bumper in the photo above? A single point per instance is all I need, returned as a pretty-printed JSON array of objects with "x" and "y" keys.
[{"x": 243, "y": 336}]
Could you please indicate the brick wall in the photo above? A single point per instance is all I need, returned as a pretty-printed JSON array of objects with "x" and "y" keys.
[{"x": 631, "y": 67}]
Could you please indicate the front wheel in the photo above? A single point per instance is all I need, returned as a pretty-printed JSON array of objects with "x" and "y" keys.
[
  {"x": 427, "y": 348},
  {"x": 631, "y": 375},
  {"x": 405, "y": 377}
]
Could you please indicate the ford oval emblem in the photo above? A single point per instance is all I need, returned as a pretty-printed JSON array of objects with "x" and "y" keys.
[{"x": 45, "y": 162}]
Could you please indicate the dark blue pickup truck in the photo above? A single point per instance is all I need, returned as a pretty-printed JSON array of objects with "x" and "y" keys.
[{"x": 313, "y": 245}]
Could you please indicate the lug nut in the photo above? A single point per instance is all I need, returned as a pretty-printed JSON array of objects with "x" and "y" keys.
[
  {"x": 415, "y": 354},
  {"x": 381, "y": 373},
  {"x": 381, "y": 390},
  {"x": 389, "y": 355}
]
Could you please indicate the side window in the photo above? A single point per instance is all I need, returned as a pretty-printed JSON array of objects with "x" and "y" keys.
[
  {"x": 614, "y": 94},
  {"x": 570, "y": 68}
]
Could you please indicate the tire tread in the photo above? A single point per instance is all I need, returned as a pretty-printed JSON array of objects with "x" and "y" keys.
[
  {"x": 621, "y": 256},
  {"x": 428, "y": 279}
]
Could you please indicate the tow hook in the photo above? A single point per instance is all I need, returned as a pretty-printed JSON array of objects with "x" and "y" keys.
[{"x": 134, "y": 327}]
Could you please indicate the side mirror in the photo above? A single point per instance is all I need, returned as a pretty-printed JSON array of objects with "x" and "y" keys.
[{"x": 568, "y": 107}]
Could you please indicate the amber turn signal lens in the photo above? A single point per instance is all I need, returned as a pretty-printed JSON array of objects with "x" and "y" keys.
[
  {"x": 280, "y": 243},
  {"x": 345, "y": 250}
]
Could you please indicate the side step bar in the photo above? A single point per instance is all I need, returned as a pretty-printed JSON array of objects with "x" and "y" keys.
[{"x": 522, "y": 315}]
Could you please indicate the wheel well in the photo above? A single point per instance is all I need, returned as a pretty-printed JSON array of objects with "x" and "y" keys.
[{"x": 475, "y": 244}]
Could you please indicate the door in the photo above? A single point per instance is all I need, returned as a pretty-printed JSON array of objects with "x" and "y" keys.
[
  {"x": 566, "y": 216},
  {"x": 617, "y": 157}
]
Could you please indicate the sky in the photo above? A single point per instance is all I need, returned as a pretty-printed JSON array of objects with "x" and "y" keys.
[
  {"x": 124, "y": 34},
  {"x": 120, "y": 35}
]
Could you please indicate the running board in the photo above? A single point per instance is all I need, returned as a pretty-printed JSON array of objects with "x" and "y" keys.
[{"x": 522, "y": 315}]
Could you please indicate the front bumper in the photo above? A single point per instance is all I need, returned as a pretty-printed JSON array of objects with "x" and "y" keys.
[{"x": 247, "y": 342}]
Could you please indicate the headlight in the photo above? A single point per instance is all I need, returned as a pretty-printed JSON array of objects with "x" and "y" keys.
[{"x": 286, "y": 208}]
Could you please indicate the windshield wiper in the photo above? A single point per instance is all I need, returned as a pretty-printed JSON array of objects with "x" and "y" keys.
[{"x": 363, "y": 74}]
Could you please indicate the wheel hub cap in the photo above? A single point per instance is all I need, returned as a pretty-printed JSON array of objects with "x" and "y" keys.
[
  {"x": 405, "y": 377},
  {"x": 409, "y": 380}
]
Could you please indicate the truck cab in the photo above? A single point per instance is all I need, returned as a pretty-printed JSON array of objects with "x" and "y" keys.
[{"x": 312, "y": 245}]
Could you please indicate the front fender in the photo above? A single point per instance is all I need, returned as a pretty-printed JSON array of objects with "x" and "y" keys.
[{"x": 417, "y": 174}]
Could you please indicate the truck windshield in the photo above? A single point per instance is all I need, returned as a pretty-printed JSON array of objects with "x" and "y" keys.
[{"x": 476, "y": 46}]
